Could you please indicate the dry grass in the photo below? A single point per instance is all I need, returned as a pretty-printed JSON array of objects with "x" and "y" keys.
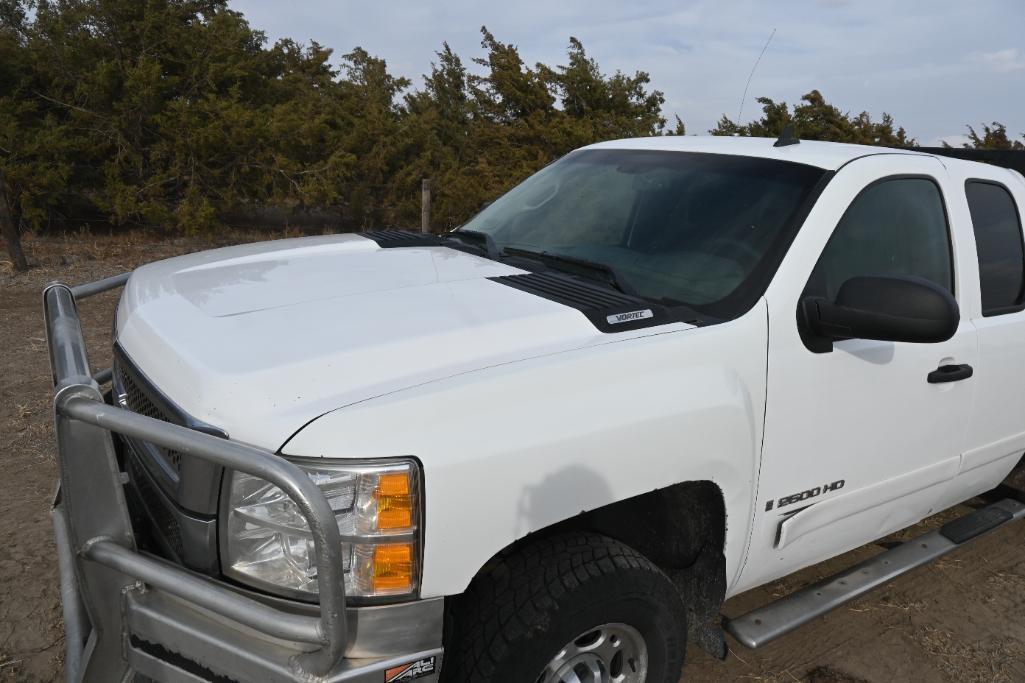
[
  {"x": 781, "y": 677},
  {"x": 828, "y": 674},
  {"x": 983, "y": 661},
  {"x": 818, "y": 674},
  {"x": 1007, "y": 582}
]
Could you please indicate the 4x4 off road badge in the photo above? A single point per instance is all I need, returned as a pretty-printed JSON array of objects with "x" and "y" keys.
[{"x": 408, "y": 672}]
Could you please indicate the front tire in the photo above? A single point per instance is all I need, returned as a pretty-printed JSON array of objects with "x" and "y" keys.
[{"x": 576, "y": 607}]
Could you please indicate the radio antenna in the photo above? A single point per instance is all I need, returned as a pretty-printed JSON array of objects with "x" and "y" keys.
[{"x": 743, "y": 97}]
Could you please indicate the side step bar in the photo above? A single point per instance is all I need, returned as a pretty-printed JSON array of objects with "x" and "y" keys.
[{"x": 766, "y": 624}]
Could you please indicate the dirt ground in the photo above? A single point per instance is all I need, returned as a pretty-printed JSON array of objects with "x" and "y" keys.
[{"x": 959, "y": 619}]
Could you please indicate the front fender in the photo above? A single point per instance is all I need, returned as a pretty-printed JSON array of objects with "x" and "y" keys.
[{"x": 512, "y": 449}]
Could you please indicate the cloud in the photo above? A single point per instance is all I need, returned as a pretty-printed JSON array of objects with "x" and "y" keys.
[{"x": 1001, "y": 61}]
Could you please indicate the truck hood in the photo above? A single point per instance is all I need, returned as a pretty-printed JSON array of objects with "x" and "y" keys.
[{"x": 260, "y": 339}]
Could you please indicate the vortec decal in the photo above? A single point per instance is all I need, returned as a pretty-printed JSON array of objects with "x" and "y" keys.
[
  {"x": 627, "y": 317},
  {"x": 408, "y": 672}
]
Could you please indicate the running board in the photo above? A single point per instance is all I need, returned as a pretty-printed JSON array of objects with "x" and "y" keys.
[{"x": 766, "y": 624}]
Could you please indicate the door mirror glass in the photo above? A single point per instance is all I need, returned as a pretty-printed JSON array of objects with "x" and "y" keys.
[{"x": 898, "y": 309}]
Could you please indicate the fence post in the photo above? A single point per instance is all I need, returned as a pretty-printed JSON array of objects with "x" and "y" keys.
[{"x": 425, "y": 205}]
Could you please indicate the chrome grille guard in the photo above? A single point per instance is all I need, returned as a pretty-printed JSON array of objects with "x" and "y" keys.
[{"x": 99, "y": 562}]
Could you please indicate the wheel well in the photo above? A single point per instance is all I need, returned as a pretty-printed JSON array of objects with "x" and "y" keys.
[
  {"x": 670, "y": 526},
  {"x": 681, "y": 529}
]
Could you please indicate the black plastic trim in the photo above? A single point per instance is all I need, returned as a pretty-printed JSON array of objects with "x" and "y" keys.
[
  {"x": 401, "y": 238},
  {"x": 977, "y": 523},
  {"x": 950, "y": 373},
  {"x": 598, "y": 303},
  {"x": 391, "y": 239},
  {"x": 180, "y": 536}
]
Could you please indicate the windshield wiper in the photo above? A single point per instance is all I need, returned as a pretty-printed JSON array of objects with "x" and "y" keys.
[
  {"x": 491, "y": 249},
  {"x": 480, "y": 239},
  {"x": 610, "y": 276},
  {"x": 682, "y": 311}
]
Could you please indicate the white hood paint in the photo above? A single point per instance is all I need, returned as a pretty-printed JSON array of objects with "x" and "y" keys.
[{"x": 259, "y": 339}]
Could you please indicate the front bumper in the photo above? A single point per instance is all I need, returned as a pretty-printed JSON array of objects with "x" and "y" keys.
[{"x": 127, "y": 612}]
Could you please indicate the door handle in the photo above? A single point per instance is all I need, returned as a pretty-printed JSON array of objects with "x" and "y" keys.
[{"x": 950, "y": 373}]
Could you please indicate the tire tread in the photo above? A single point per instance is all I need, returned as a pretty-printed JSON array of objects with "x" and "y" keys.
[{"x": 521, "y": 589}]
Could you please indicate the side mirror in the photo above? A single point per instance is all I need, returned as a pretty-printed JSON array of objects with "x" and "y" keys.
[{"x": 899, "y": 309}]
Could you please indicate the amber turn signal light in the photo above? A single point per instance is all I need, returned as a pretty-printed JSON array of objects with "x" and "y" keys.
[
  {"x": 393, "y": 568},
  {"x": 394, "y": 501}
]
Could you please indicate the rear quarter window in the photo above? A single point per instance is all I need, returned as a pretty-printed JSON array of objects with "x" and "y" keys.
[{"x": 998, "y": 242}]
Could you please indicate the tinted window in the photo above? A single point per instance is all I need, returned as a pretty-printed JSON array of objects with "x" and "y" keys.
[
  {"x": 702, "y": 230},
  {"x": 998, "y": 241},
  {"x": 894, "y": 227}
]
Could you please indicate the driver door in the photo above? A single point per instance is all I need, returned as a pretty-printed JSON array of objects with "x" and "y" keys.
[{"x": 858, "y": 443}]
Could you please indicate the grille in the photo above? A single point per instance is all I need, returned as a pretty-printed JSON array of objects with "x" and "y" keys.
[
  {"x": 137, "y": 401},
  {"x": 152, "y": 507}
]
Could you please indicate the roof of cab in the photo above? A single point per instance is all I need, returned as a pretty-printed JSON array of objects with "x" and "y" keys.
[{"x": 827, "y": 155}]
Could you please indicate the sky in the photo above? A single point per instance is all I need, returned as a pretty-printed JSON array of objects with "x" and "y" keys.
[{"x": 935, "y": 65}]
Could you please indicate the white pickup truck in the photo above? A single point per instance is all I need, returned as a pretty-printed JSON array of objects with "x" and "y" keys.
[{"x": 547, "y": 445}]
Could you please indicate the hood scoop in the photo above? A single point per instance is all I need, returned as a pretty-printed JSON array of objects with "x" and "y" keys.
[{"x": 608, "y": 310}]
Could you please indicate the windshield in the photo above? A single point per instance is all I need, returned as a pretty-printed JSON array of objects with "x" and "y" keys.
[{"x": 702, "y": 230}]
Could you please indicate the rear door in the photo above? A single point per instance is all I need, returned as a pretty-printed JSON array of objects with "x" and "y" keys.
[
  {"x": 994, "y": 199},
  {"x": 858, "y": 443}
]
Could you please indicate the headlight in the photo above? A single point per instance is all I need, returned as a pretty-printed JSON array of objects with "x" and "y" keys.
[{"x": 267, "y": 543}]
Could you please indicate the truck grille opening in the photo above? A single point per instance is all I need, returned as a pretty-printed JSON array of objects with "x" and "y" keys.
[
  {"x": 172, "y": 496},
  {"x": 137, "y": 401},
  {"x": 146, "y": 504}
]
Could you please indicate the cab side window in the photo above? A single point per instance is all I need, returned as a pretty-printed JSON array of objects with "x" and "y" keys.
[
  {"x": 998, "y": 243},
  {"x": 894, "y": 227}
]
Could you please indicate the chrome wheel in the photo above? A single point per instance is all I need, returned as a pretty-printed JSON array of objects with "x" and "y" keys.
[{"x": 610, "y": 653}]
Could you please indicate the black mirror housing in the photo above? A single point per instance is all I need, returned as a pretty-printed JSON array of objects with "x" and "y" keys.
[{"x": 898, "y": 309}]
